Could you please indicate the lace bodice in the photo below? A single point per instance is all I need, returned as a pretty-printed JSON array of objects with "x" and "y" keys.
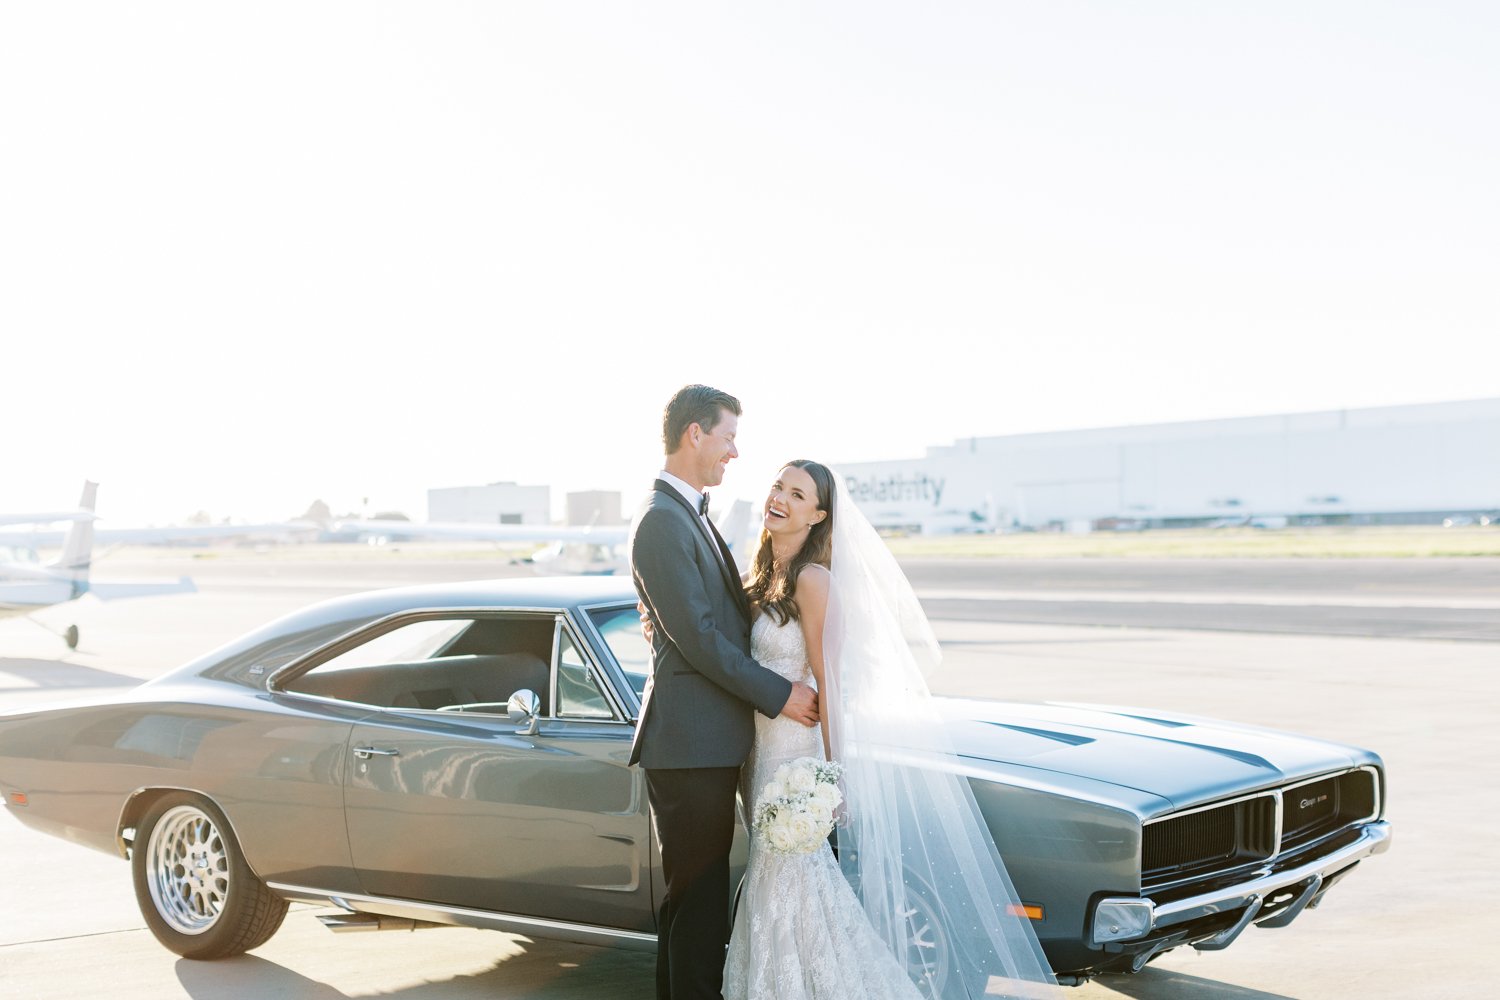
[{"x": 780, "y": 647}]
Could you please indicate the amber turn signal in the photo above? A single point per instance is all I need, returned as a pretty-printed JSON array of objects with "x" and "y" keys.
[
  {"x": 1028, "y": 910},
  {"x": 18, "y": 798}
]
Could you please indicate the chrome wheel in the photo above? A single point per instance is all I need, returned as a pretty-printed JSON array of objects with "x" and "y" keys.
[
  {"x": 187, "y": 870},
  {"x": 195, "y": 890},
  {"x": 929, "y": 958}
]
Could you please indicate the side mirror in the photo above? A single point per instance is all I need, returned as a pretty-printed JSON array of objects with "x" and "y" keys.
[{"x": 523, "y": 708}]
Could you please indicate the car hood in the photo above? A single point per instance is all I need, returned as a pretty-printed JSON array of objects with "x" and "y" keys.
[{"x": 1185, "y": 760}]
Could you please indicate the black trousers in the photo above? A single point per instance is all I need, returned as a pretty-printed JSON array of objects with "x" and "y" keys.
[{"x": 692, "y": 810}]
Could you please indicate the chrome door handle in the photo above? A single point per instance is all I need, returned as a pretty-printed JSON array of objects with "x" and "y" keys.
[{"x": 365, "y": 753}]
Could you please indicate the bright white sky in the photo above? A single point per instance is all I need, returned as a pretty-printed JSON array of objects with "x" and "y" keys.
[{"x": 254, "y": 254}]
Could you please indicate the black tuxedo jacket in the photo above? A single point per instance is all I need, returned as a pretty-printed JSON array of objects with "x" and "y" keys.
[{"x": 699, "y": 705}]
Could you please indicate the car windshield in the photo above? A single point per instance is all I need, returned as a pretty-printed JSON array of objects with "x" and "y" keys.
[{"x": 621, "y": 629}]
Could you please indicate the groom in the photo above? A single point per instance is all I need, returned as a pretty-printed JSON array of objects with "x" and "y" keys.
[{"x": 698, "y": 713}]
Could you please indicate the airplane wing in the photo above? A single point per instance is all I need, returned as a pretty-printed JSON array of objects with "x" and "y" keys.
[
  {"x": 120, "y": 591},
  {"x": 159, "y": 536},
  {"x": 201, "y": 532},
  {"x": 33, "y": 539},
  {"x": 47, "y": 517},
  {"x": 734, "y": 525},
  {"x": 597, "y": 535}
]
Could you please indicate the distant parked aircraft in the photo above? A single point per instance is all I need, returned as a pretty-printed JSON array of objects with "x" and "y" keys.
[
  {"x": 28, "y": 585},
  {"x": 595, "y": 550}
]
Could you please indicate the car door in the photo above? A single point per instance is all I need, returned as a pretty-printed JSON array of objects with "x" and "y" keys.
[{"x": 460, "y": 806}]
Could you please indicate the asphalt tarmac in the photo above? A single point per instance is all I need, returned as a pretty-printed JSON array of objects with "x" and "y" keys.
[
  {"x": 1410, "y": 923},
  {"x": 1388, "y": 598}
]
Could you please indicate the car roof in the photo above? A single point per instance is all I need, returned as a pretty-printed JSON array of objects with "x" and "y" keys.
[
  {"x": 317, "y": 623},
  {"x": 520, "y": 592}
]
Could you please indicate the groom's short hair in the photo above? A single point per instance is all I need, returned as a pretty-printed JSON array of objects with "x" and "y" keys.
[{"x": 694, "y": 404}]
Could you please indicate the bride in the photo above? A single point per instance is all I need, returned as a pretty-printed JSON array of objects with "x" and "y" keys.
[{"x": 917, "y": 903}]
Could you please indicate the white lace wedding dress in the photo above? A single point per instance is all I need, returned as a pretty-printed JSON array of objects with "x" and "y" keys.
[{"x": 799, "y": 932}]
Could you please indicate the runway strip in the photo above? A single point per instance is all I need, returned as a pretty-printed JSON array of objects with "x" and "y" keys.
[
  {"x": 1169, "y": 597},
  {"x": 1380, "y": 622},
  {"x": 1450, "y": 599}
]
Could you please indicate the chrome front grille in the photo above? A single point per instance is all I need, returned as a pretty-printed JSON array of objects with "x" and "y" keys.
[
  {"x": 1202, "y": 838},
  {"x": 1218, "y": 836},
  {"x": 1316, "y": 808},
  {"x": 1310, "y": 806},
  {"x": 1259, "y": 827}
]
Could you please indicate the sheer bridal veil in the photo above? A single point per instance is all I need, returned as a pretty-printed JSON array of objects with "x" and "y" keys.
[{"x": 913, "y": 844}]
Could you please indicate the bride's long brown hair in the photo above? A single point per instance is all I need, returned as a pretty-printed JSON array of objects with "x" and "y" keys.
[{"x": 776, "y": 592}]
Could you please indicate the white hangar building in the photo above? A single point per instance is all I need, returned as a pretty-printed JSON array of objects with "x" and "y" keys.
[
  {"x": 496, "y": 503},
  {"x": 1383, "y": 465}
]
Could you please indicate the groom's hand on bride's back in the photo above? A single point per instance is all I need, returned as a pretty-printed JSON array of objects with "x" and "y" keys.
[
  {"x": 647, "y": 629},
  {"x": 802, "y": 706}
]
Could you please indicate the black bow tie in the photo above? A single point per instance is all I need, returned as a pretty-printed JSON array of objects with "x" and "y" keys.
[{"x": 703, "y": 506}]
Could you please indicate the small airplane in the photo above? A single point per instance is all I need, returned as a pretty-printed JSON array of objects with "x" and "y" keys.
[
  {"x": 27, "y": 585},
  {"x": 592, "y": 550}
]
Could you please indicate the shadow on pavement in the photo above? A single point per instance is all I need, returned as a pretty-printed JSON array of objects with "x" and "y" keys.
[
  {"x": 557, "y": 971},
  {"x": 542, "y": 971},
  {"x": 248, "y": 976},
  {"x": 548, "y": 970},
  {"x": 57, "y": 674},
  {"x": 1163, "y": 984}
]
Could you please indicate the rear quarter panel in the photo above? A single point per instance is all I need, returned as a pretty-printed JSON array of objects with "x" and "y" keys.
[{"x": 275, "y": 770}]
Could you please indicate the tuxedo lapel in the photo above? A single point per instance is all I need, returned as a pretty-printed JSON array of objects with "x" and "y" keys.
[
  {"x": 710, "y": 534},
  {"x": 735, "y": 586}
]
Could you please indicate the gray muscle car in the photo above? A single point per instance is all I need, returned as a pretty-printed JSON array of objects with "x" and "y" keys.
[{"x": 455, "y": 754}]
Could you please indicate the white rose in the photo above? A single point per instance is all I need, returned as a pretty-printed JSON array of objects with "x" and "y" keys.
[
  {"x": 806, "y": 832},
  {"x": 774, "y": 790},
  {"x": 802, "y": 780},
  {"x": 828, "y": 795},
  {"x": 821, "y": 815},
  {"x": 781, "y": 838}
]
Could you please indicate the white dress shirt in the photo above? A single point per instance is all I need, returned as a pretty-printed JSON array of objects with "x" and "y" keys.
[{"x": 695, "y": 501}]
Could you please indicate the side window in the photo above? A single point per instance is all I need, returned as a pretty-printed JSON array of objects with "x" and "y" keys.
[
  {"x": 422, "y": 640},
  {"x": 578, "y": 694},
  {"x": 621, "y": 629},
  {"x": 462, "y": 663}
]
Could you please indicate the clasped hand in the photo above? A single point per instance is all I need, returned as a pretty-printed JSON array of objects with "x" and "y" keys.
[{"x": 802, "y": 705}]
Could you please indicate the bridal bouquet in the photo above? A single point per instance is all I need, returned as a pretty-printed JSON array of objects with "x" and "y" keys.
[{"x": 794, "y": 811}]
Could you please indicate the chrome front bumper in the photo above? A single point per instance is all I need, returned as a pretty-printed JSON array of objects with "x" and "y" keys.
[{"x": 1121, "y": 920}]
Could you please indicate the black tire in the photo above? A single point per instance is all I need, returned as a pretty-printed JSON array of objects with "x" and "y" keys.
[{"x": 192, "y": 885}]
